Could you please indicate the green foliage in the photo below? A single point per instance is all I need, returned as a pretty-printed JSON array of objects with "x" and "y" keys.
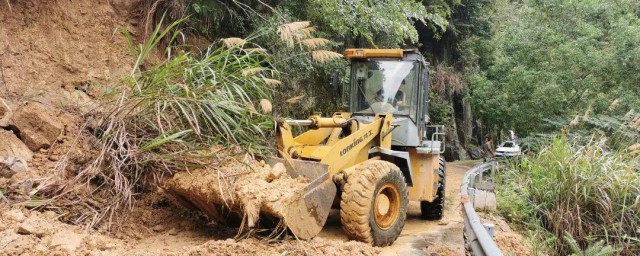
[
  {"x": 587, "y": 191},
  {"x": 169, "y": 113},
  {"x": 439, "y": 110},
  {"x": 556, "y": 58},
  {"x": 349, "y": 23},
  {"x": 597, "y": 249},
  {"x": 380, "y": 23},
  {"x": 302, "y": 76}
]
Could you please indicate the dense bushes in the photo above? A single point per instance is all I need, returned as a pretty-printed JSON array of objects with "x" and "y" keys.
[
  {"x": 557, "y": 58},
  {"x": 584, "y": 192}
]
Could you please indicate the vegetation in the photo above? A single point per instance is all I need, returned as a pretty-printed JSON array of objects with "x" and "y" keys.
[
  {"x": 580, "y": 195},
  {"x": 557, "y": 59},
  {"x": 169, "y": 112},
  {"x": 535, "y": 66}
]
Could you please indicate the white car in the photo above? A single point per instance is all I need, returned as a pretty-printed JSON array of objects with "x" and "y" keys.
[{"x": 508, "y": 149}]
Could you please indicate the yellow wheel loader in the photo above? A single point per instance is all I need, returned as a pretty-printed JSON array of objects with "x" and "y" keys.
[
  {"x": 371, "y": 161},
  {"x": 368, "y": 162}
]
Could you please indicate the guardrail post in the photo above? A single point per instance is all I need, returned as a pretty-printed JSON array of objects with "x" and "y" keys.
[{"x": 491, "y": 229}]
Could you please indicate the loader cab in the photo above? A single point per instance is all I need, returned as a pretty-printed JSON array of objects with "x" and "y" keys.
[{"x": 390, "y": 81}]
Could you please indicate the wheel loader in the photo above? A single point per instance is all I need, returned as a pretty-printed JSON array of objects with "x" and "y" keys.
[{"x": 371, "y": 161}]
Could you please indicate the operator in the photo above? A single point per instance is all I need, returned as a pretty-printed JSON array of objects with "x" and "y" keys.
[
  {"x": 398, "y": 100},
  {"x": 487, "y": 149}
]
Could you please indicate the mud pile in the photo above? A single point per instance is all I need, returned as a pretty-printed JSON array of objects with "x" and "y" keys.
[
  {"x": 316, "y": 246},
  {"x": 34, "y": 233},
  {"x": 155, "y": 227},
  {"x": 247, "y": 188}
]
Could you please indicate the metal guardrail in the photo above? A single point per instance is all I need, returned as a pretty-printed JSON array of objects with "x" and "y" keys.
[{"x": 477, "y": 238}]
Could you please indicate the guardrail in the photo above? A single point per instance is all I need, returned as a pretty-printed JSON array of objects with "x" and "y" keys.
[{"x": 477, "y": 238}]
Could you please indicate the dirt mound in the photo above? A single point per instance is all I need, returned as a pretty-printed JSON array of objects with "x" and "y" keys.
[
  {"x": 316, "y": 246},
  {"x": 155, "y": 227},
  {"x": 53, "y": 45},
  {"x": 245, "y": 187},
  {"x": 509, "y": 241},
  {"x": 33, "y": 233}
]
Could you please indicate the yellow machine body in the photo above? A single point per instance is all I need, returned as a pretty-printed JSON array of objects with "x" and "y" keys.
[
  {"x": 379, "y": 150},
  {"x": 328, "y": 152}
]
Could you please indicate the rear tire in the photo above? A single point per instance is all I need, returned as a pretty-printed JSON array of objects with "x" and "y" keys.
[
  {"x": 374, "y": 203},
  {"x": 434, "y": 210}
]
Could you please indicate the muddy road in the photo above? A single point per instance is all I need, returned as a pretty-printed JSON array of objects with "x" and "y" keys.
[
  {"x": 159, "y": 227},
  {"x": 421, "y": 237}
]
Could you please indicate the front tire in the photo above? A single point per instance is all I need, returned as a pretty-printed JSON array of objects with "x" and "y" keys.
[
  {"x": 434, "y": 210},
  {"x": 374, "y": 203}
]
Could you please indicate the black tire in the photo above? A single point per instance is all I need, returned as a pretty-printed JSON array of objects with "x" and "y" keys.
[
  {"x": 434, "y": 210},
  {"x": 362, "y": 196}
]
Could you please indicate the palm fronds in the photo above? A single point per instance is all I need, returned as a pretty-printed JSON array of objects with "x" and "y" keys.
[{"x": 165, "y": 117}]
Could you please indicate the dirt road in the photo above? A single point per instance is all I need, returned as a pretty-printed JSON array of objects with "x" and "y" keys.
[
  {"x": 421, "y": 237},
  {"x": 159, "y": 227}
]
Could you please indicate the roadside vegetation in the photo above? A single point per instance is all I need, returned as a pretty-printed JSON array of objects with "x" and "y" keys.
[{"x": 575, "y": 198}]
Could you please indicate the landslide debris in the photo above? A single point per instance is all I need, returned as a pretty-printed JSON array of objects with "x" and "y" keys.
[
  {"x": 247, "y": 188},
  {"x": 316, "y": 246}
]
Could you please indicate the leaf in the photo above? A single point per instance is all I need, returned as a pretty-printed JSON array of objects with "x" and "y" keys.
[
  {"x": 295, "y": 99},
  {"x": 253, "y": 71},
  {"x": 272, "y": 82},
  {"x": 163, "y": 139},
  {"x": 232, "y": 41}
]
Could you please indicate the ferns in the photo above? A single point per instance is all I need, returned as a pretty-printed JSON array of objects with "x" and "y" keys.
[{"x": 597, "y": 249}]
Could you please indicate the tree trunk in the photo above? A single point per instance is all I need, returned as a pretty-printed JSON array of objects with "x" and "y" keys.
[{"x": 467, "y": 123}]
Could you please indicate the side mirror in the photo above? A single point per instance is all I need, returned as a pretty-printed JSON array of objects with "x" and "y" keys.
[{"x": 335, "y": 79}]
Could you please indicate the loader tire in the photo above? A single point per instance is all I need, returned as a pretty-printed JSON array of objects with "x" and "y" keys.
[
  {"x": 374, "y": 203},
  {"x": 433, "y": 210}
]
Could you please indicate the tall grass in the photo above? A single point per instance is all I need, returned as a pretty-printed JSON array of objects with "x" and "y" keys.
[
  {"x": 586, "y": 193},
  {"x": 169, "y": 112}
]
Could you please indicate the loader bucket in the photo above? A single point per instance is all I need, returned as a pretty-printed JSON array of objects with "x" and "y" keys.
[{"x": 307, "y": 214}]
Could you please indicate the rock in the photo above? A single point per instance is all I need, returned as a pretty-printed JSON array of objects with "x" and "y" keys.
[
  {"x": 34, "y": 225},
  {"x": 11, "y": 165},
  {"x": 38, "y": 126},
  {"x": 173, "y": 231},
  {"x": 475, "y": 153},
  {"x": 5, "y": 113},
  {"x": 72, "y": 101},
  {"x": 123, "y": 7},
  {"x": 276, "y": 172},
  {"x": 15, "y": 214},
  {"x": 67, "y": 240},
  {"x": 159, "y": 228},
  {"x": 10, "y": 145},
  {"x": 99, "y": 243}
]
